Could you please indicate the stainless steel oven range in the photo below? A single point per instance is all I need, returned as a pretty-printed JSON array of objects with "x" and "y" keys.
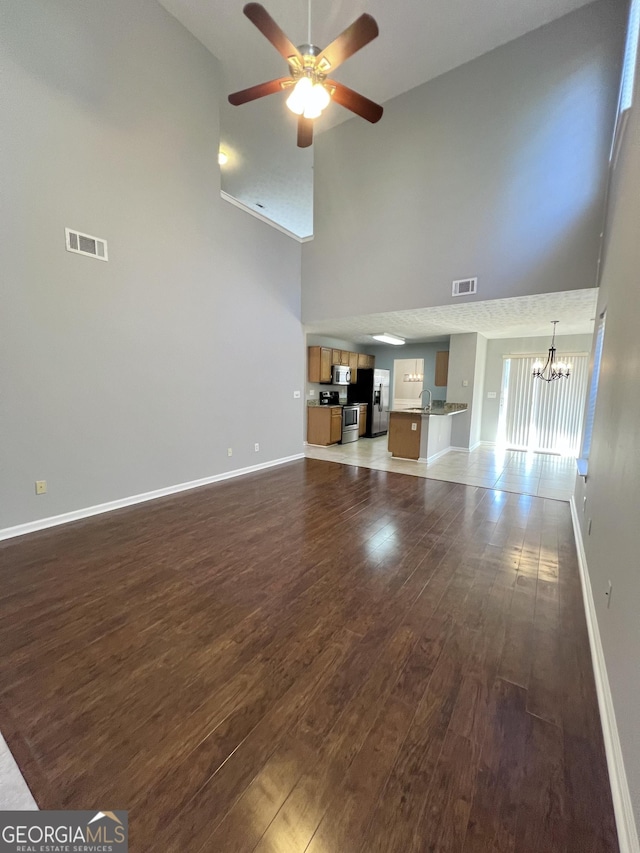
[{"x": 350, "y": 423}]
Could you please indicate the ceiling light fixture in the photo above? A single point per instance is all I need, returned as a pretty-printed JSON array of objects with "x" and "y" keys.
[
  {"x": 309, "y": 88},
  {"x": 386, "y": 338},
  {"x": 414, "y": 377},
  {"x": 552, "y": 369},
  {"x": 223, "y": 157},
  {"x": 308, "y": 98}
]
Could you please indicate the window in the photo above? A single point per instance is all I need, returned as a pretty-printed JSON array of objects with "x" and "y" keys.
[
  {"x": 629, "y": 63},
  {"x": 593, "y": 391}
]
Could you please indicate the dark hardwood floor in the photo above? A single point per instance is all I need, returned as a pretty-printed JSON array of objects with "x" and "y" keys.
[{"x": 317, "y": 657}]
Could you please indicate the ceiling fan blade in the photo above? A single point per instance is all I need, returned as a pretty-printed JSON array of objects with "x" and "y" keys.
[
  {"x": 259, "y": 16},
  {"x": 354, "y": 101},
  {"x": 305, "y": 132},
  {"x": 259, "y": 91},
  {"x": 363, "y": 30}
]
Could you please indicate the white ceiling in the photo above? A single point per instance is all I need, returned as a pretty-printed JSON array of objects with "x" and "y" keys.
[
  {"x": 523, "y": 316},
  {"x": 418, "y": 41}
]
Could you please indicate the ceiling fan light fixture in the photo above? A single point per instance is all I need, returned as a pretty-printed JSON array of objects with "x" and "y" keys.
[
  {"x": 297, "y": 100},
  {"x": 308, "y": 98},
  {"x": 386, "y": 338},
  {"x": 223, "y": 158}
]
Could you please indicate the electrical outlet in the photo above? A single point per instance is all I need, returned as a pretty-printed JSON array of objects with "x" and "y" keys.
[
  {"x": 41, "y": 487},
  {"x": 491, "y": 395},
  {"x": 296, "y": 395},
  {"x": 312, "y": 392},
  {"x": 229, "y": 451},
  {"x": 465, "y": 383},
  {"x": 256, "y": 447},
  {"x": 608, "y": 593},
  {"x": 414, "y": 427}
]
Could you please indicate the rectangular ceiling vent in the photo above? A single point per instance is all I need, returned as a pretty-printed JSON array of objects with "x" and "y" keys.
[
  {"x": 85, "y": 244},
  {"x": 465, "y": 287}
]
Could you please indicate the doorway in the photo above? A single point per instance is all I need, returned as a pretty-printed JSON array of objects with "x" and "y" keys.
[
  {"x": 408, "y": 382},
  {"x": 544, "y": 417}
]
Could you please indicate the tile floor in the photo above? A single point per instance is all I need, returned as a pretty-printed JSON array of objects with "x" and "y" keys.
[
  {"x": 541, "y": 474},
  {"x": 14, "y": 793}
]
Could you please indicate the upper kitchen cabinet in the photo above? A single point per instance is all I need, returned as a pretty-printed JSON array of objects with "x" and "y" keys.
[
  {"x": 366, "y": 361},
  {"x": 353, "y": 364},
  {"x": 442, "y": 367},
  {"x": 319, "y": 364},
  {"x": 320, "y": 359},
  {"x": 340, "y": 356}
]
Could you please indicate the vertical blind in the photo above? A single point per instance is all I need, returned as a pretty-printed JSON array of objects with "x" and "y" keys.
[{"x": 543, "y": 416}]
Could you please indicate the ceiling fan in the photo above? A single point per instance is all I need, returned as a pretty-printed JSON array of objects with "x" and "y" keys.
[{"x": 309, "y": 66}]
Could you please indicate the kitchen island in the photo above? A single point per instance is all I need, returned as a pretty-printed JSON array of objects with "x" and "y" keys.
[{"x": 422, "y": 434}]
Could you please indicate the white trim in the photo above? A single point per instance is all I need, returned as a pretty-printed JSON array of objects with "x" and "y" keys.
[
  {"x": 469, "y": 449},
  {"x": 625, "y": 822},
  {"x": 435, "y": 456},
  {"x": 226, "y": 197},
  {"x": 98, "y": 509}
]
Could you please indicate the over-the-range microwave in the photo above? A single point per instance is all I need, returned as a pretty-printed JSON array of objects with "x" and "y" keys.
[{"x": 340, "y": 374}]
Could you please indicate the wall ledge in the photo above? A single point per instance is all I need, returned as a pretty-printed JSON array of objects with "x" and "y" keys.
[
  {"x": 98, "y": 509},
  {"x": 622, "y": 805}
]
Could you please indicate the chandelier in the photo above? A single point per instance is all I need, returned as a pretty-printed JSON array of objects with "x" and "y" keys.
[
  {"x": 414, "y": 377},
  {"x": 552, "y": 369}
]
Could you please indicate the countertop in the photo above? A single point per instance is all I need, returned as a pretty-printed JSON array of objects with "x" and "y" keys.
[{"x": 444, "y": 412}]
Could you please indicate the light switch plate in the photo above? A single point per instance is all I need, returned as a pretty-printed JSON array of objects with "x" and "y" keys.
[
  {"x": 465, "y": 383},
  {"x": 296, "y": 395}
]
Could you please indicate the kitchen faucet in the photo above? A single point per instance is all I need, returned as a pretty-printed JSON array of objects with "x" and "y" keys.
[{"x": 428, "y": 390}]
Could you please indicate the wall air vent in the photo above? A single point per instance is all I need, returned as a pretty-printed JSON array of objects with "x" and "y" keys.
[
  {"x": 465, "y": 287},
  {"x": 85, "y": 244}
]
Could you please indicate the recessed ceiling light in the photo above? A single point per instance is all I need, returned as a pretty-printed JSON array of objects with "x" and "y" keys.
[
  {"x": 389, "y": 339},
  {"x": 223, "y": 157}
]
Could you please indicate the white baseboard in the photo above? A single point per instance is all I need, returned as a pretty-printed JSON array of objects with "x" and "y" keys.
[
  {"x": 622, "y": 805},
  {"x": 435, "y": 456},
  {"x": 98, "y": 509}
]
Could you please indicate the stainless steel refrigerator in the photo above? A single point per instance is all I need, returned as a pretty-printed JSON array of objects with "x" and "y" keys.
[{"x": 372, "y": 388}]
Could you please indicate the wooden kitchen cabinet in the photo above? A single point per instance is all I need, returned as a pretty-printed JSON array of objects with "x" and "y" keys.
[
  {"x": 324, "y": 425},
  {"x": 336, "y": 424},
  {"x": 442, "y": 368},
  {"x": 362, "y": 422},
  {"x": 404, "y": 435},
  {"x": 366, "y": 361},
  {"x": 320, "y": 359},
  {"x": 353, "y": 364},
  {"x": 319, "y": 364}
]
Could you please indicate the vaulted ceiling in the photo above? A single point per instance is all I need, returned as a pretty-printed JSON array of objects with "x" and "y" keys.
[{"x": 418, "y": 41}]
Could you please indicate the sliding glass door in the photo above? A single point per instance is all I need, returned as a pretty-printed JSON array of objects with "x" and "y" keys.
[{"x": 542, "y": 416}]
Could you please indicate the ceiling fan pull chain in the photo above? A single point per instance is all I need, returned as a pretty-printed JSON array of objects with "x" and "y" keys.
[{"x": 309, "y": 25}]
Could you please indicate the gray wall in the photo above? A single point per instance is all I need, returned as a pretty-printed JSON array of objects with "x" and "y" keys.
[
  {"x": 467, "y": 354},
  {"x": 137, "y": 374},
  {"x": 493, "y": 372},
  {"x": 495, "y": 169},
  {"x": 613, "y": 484}
]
